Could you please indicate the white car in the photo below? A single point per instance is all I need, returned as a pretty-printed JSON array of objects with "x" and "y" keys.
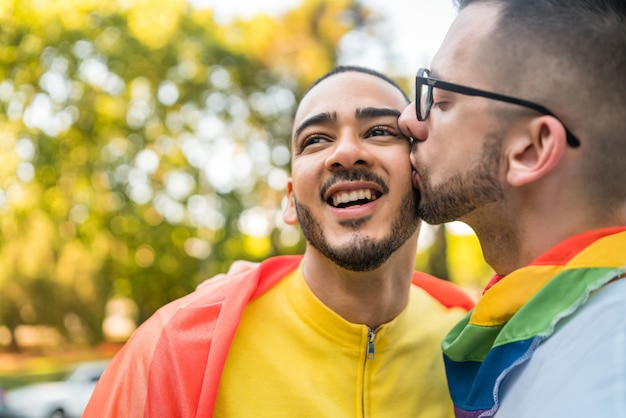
[{"x": 62, "y": 399}]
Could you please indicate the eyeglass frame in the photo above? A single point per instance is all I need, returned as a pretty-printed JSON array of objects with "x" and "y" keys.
[{"x": 431, "y": 83}]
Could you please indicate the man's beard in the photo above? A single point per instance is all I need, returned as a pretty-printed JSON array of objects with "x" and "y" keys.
[
  {"x": 463, "y": 192},
  {"x": 362, "y": 253}
]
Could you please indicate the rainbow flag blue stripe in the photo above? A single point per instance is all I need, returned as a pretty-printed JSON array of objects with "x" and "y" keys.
[{"x": 523, "y": 309}]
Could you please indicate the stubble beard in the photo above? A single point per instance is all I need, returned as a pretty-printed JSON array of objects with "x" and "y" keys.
[
  {"x": 362, "y": 253},
  {"x": 463, "y": 193}
]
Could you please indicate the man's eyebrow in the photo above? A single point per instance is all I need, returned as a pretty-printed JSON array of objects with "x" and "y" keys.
[
  {"x": 375, "y": 112},
  {"x": 320, "y": 118}
]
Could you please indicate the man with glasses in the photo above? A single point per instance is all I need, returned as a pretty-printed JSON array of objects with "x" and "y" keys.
[{"x": 519, "y": 131}]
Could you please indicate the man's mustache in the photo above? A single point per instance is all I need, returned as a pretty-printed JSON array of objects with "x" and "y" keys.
[{"x": 353, "y": 175}]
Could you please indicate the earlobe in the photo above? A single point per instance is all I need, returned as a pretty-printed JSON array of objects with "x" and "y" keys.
[
  {"x": 537, "y": 152},
  {"x": 290, "y": 215}
]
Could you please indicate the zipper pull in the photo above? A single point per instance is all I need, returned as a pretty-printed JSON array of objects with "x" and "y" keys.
[{"x": 371, "y": 335}]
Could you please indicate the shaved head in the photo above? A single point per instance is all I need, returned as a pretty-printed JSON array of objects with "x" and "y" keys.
[{"x": 569, "y": 55}]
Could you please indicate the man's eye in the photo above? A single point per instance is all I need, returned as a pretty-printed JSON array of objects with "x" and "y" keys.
[
  {"x": 439, "y": 100},
  {"x": 312, "y": 140},
  {"x": 383, "y": 131},
  {"x": 440, "y": 104}
]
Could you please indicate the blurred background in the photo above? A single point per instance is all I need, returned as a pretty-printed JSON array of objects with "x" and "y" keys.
[{"x": 144, "y": 147}]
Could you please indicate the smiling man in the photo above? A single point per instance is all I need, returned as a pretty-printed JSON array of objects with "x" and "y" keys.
[{"x": 346, "y": 330}]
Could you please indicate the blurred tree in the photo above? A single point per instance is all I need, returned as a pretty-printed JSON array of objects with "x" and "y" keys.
[
  {"x": 143, "y": 148},
  {"x": 452, "y": 252}
]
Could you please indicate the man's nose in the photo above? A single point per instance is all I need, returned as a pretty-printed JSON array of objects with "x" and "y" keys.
[
  {"x": 347, "y": 151},
  {"x": 410, "y": 126}
]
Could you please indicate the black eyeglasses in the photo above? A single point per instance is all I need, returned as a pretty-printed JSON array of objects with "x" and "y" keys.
[{"x": 424, "y": 85}]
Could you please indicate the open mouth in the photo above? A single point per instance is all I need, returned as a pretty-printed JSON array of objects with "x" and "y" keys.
[{"x": 350, "y": 198}]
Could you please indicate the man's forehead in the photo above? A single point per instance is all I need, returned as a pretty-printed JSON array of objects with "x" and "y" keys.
[
  {"x": 468, "y": 33},
  {"x": 348, "y": 92}
]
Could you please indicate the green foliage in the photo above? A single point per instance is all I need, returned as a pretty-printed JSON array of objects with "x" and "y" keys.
[{"x": 142, "y": 149}]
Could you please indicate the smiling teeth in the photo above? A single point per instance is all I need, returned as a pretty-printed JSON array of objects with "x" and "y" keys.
[{"x": 352, "y": 196}]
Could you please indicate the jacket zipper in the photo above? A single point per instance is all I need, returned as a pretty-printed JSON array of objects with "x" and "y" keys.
[
  {"x": 371, "y": 336},
  {"x": 369, "y": 355}
]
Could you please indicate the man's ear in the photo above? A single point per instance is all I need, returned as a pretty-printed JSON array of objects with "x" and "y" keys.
[
  {"x": 290, "y": 215},
  {"x": 535, "y": 153}
]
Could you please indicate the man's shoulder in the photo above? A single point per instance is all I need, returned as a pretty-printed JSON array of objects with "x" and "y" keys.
[
  {"x": 229, "y": 293},
  {"x": 253, "y": 282},
  {"x": 445, "y": 292},
  {"x": 568, "y": 373}
]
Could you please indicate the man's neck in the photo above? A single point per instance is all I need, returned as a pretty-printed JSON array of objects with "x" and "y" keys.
[
  {"x": 371, "y": 298},
  {"x": 509, "y": 247}
]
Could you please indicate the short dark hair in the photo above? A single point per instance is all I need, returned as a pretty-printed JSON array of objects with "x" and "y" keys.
[
  {"x": 357, "y": 69},
  {"x": 587, "y": 37}
]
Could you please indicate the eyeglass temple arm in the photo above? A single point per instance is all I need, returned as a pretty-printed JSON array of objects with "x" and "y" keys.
[{"x": 468, "y": 91}]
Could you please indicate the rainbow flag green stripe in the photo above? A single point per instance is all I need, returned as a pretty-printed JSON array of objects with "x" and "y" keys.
[{"x": 518, "y": 313}]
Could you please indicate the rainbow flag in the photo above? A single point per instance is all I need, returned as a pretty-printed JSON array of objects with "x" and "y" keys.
[{"x": 521, "y": 311}]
